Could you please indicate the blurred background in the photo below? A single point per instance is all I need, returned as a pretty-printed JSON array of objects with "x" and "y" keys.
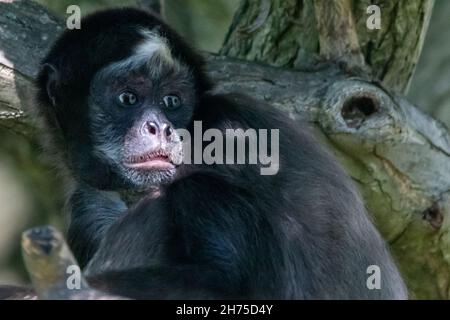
[
  {"x": 30, "y": 190},
  {"x": 201, "y": 22}
]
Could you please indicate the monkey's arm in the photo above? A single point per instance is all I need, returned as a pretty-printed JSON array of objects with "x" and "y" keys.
[
  {"x": 187, "y": 244},
  {"x": 92, "y": 211}
]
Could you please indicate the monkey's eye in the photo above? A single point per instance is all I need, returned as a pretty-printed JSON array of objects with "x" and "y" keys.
[
  {"x": 172, "y": 101},
  {"x": 128, "y": 98}
]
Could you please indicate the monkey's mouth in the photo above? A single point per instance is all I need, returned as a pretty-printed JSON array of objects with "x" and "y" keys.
[{"x": 156, "y": 160}]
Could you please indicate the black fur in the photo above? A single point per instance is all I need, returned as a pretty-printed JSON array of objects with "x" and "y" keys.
[
  {"x": 67, "y": 71},
  {"x": 221, "y": 231}
]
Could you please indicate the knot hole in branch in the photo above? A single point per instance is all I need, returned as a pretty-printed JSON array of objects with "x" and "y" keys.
[{"x": 357, "y": 109}]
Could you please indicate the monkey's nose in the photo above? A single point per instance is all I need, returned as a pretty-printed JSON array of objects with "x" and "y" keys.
[
  {"x": 168, "y": 130},
  {"x": 152, "y": 128}
]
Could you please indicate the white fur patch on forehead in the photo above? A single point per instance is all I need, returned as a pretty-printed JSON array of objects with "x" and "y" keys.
[
  {"x": 154, "y": 46},
  {"x": 152, "y": 52}
]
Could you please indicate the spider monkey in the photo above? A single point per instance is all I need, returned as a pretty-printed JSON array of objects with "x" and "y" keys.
[{"x": 112, "y": 96}]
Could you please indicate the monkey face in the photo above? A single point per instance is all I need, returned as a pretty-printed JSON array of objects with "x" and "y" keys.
[
  {"x": 135, "y": 107},
  {"x": 109, "y": 94}
]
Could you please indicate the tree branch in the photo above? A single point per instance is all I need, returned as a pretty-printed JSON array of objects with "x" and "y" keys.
[
  {"x": 152, "y": 5},
  {"x": 337, "y": 33}
]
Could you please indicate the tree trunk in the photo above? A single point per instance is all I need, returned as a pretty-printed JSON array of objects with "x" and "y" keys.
[
  {"x": 399, "y": 156},
  {"x": 382, "y": 154},
  {"x": 291, "y": 33}
]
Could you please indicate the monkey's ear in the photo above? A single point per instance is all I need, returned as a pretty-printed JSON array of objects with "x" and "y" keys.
[{"x": 52, "y": 79}]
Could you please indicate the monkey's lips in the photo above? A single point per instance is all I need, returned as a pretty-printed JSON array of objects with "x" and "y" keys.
[{"x": 157, "y": 160}]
